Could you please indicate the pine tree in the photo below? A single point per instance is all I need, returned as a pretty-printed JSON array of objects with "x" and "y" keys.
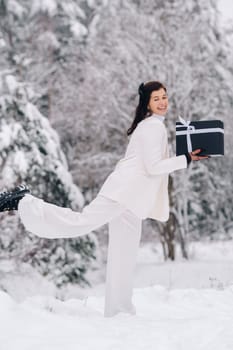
[{"x": 30, "y": 152}]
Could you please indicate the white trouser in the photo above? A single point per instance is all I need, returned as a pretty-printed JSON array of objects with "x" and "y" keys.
[{"x": 51, "y": 221}]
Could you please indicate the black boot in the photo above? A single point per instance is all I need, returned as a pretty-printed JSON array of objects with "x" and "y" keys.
[{"x": 9, "y": 200}]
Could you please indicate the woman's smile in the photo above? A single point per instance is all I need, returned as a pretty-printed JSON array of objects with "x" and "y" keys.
[{"x": 158, "y": 102}]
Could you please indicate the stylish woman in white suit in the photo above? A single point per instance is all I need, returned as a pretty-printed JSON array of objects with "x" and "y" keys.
[{"x": 136, "y": 189}]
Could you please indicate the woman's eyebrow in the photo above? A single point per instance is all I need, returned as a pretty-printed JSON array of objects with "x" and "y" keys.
[{"x": 165, "y": 95}]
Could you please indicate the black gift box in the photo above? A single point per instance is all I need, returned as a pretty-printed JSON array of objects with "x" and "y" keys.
[{"x": 205, "y": 134}]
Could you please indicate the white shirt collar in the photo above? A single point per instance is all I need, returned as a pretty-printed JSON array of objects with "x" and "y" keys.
[{"x": 159, "y": 117}]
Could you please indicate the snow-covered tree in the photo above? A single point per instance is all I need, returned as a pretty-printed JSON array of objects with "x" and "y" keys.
[{"x": 30, "y": 152}]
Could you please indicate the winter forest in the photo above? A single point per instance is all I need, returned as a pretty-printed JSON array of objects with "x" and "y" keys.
[{"x": 69, "y": 76}]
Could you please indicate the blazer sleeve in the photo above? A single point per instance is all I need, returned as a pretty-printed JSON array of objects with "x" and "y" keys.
[{"x": 152, "y": 140}]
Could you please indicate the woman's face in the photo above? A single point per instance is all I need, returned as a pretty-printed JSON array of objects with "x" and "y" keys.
[{"x": 158, "y": 102}]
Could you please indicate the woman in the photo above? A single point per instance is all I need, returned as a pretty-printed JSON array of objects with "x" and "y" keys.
[{"x": 136, "y": 189}]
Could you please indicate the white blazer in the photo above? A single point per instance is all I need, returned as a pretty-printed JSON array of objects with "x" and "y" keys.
[{"x": 140, "y": 179}]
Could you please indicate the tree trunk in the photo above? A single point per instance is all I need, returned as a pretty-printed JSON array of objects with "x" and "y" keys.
[{"x": 167, "y": 230}]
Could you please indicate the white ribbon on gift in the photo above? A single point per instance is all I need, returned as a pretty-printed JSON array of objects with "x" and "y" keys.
[{"x": 191, "y": 130}]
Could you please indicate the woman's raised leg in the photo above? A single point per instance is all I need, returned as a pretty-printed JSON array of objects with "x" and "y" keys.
[{"x": 51, "y": 221}]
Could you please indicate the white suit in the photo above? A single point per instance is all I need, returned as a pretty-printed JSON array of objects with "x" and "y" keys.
[
  {"x": 136, "y": 189},
  {"x": 140, "y": 180}
]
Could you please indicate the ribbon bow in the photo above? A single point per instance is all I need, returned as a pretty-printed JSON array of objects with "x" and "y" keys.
[{"x": 186, "y": 123}]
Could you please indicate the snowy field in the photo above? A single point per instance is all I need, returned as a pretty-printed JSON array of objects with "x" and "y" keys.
[{"x": 180, "y": 306}]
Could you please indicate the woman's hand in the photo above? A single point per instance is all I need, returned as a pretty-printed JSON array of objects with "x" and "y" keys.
[{"x": 194, "y": 155}]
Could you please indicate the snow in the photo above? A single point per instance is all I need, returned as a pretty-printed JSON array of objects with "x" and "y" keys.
[
  {"x": 52, "y": 142},
  {"x": 33, "y": 113},
  {"x": 91, "y": 3},
  {"x": 73, "y": 10},
  {"x": 2, "y": 43},
  {"x": 198, "y": 317},
  {"x": 165, "y": 320},
  {"x": 12, "y": 84},
  {"x": 16, "y": 8},
  {"x": 210, "y": 265},
  {"x": 8, "y": 133},
  {"x": 5, "y": 136},
  {"x": 20, "y": 162},
  {"x": 48, "y": 6},
  {"x": 93, "y": 25},
  {"x": 13, "y": 276},
  {"x": 226, "y": 9},
  {"x": 49, "y": 39},
  {"x": 78, "y": 29}
]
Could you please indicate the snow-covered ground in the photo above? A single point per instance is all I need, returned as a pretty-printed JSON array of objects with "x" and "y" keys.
[{"x": 181, "y": 305}]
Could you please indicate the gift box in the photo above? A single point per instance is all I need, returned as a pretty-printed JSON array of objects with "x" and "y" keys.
[{"x": 205, "y": 134}]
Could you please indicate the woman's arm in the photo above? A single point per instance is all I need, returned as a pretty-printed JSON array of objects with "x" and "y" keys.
[{"x": 152, "y": 141}]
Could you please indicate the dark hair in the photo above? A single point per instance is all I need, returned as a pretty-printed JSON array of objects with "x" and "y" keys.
[{"x": 142, "y": 111}]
